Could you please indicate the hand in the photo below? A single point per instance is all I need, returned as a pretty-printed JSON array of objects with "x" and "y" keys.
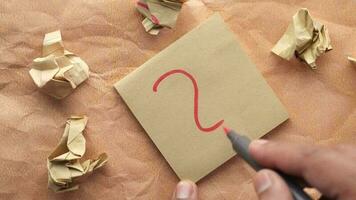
[
  {"x": 331, "y": 170},
  {"x": 185, "y": 190}
]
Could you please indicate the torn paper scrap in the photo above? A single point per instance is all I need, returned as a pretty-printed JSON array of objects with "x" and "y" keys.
[
  {"x": 304, "y": 38},
  {"x": 158, "y": 14},
  {"x": 63, "y": 163},
  {"x": 352, "y": 59},
  {"x": 58, "y": 72}
]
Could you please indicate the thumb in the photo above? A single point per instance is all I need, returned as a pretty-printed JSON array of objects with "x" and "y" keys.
[
  {"x": 270, "y": 186},
  {"x": 186, "y": 190}
]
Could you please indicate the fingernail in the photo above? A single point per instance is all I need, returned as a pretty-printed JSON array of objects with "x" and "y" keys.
[
  {"x": 262, "y": 182},
  {"x": 184, "y": 190},
  {"x": 258, "y": 143}
]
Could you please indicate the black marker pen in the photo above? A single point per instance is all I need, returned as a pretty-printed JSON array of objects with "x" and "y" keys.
[{"x": 240, "y": 144}]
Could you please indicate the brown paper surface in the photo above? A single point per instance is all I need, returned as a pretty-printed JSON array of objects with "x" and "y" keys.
[
  {"x": 184, "y": 96},
  {"x": 109, "y": 36}
]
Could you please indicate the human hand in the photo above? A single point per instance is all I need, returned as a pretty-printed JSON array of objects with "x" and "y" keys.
[
  {"x": 331, "y": 170},
  {"x": 185, "y": 190}
]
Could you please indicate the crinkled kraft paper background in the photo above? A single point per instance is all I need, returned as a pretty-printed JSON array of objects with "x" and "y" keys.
[{"x": 109, "y": 37}]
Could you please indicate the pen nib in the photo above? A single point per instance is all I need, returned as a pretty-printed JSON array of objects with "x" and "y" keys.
[{"x": 226, "y": 130}]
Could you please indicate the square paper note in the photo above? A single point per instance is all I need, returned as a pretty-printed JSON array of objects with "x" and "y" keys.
[{"x": 185, "y": 94}]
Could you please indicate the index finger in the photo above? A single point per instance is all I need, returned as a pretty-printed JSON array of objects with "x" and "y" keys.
[{"x": 331, "y": 171}]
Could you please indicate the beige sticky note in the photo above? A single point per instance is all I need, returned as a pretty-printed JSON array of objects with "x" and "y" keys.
[
  {"x": 158, "y": 14},
  {"x": 59, "y": 71},
  {"x": 185, "y": 94},
  {"x": 63, "y": 163},
  {"x": 305, "y": 38}
]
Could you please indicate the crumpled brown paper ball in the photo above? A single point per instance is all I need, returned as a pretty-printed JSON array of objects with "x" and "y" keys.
[{"x": 58, "y": 72}]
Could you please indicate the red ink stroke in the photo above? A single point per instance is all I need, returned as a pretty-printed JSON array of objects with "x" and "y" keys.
[
  {"x": 143, "y": 5},
  {"x": 154, "y": 19},
  {"x": 196, "y": 96}
]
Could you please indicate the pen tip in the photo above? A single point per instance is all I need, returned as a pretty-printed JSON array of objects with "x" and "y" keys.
[{"x": 226, "y": 130}]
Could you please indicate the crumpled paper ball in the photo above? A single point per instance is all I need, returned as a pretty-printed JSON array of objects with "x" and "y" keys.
[{"x": 58, "y": 72}]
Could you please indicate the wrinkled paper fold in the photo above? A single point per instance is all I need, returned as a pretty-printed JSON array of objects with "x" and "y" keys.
[
  {"x": 63, "y": 163},
  {"x": 58, "y": 72},
  {"x": 158, "y": 14},
  {"x": 304, "y": 38},
  {"x": 352, "y": 59}
]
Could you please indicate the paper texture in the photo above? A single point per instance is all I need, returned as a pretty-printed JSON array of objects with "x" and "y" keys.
[
  {"x": 158, "y": 14},
  {"x": 352, "y": 60},
  {"x": 64, "y": 163},
  {"x": 305, "y": 38},
  {"x": 205, "y": 73},
  {"x": 109, "y": 37},
  {"x": 58, "y": 72}
]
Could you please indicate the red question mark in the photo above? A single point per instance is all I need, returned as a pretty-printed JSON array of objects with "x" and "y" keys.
[{"x": 196, "y": 95}]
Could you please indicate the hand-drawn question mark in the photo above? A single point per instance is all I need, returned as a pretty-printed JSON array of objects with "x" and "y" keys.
[{"x": 196, "y": 96}]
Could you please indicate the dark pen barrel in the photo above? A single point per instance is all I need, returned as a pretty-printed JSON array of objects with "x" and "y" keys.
[{"x": 241, "y": 143}]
